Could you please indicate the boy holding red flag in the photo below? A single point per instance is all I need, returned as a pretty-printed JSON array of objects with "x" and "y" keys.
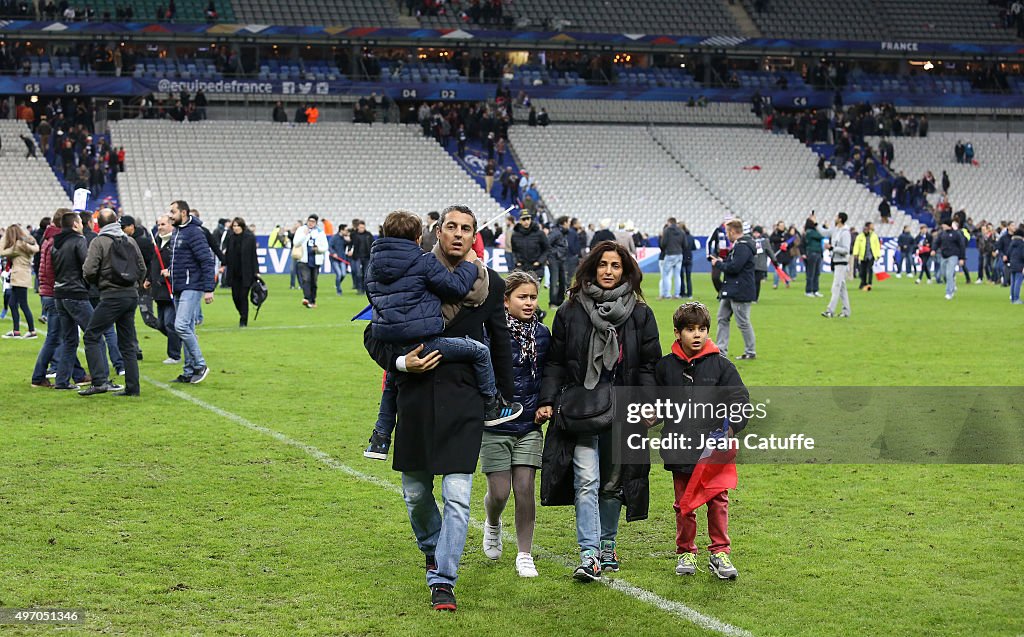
[{"x": 695, "y": 361}]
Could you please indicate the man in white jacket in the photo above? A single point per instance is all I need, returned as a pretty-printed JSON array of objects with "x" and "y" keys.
[{"x": 311, "y": 241}]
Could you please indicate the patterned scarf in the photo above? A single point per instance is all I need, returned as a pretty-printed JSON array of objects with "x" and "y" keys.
[{"x": 525, "y": 333}]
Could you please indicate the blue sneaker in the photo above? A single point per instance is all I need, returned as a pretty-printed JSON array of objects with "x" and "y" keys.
[{"x": 499, "y": 410}]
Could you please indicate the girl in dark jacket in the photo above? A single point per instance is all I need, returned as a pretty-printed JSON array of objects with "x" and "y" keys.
[
  {"x": 510, "y": 453},
  {"x": 242, "y": 267},
  {"x": 605, "y": 332}
]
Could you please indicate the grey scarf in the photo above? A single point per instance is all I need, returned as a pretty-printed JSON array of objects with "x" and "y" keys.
[{"x": 608, "y": 310}]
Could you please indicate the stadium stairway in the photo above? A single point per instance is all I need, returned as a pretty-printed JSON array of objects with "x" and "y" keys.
[
  {"x": 475, "y": 162},
  {"x": 109, "y": 191},
  {"x": 919, "y": 215}
]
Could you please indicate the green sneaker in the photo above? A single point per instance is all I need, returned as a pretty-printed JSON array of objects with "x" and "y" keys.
[
  {"x": 721, "y": 565},
  {"x": 687, "y": 564},
  {"x": 609, "y": 558}
]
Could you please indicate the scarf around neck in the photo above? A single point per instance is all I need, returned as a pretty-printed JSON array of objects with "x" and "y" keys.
[
  {"x": 477, "y": 295},
  {"x": 608, "y": 310},
  {"x": 525, "y": 333}
]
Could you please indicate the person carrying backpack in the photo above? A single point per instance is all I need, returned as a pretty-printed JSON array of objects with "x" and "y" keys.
[{"x": 114, "y": 263}]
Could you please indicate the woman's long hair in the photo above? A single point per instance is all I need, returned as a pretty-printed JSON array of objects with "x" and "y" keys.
[
  {"x": 587, "y": 270},
  {"x": 11, "y": 236}
]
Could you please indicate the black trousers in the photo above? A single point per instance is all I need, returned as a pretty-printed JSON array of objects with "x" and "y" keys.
[
  {"x": 308, "y": 275},
  {"x": 558, "y": 281},
  {"x": 119, "y": 312},
  {"x": 867, "y": 272},
  {"x": 240, "y": 295},
  {"x": 165, "y": 317}
]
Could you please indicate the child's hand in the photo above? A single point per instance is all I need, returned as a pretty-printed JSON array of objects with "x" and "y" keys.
[{"x": 543, "y": 415}]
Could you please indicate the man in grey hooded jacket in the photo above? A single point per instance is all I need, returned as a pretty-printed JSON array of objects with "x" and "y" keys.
[{"x": 118, "y": 300}]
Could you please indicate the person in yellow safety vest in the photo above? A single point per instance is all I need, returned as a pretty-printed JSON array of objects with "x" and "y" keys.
[{"x": 867, "y": 248}]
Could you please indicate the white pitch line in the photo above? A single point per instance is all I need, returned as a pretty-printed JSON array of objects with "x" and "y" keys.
[
  {"x": 272, "y": 327},
  {"x": 677, "y": 609}
]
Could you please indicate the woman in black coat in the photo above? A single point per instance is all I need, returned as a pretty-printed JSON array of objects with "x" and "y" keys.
[
  {"x": 578, "y": 469},
  {"x": 242, "y": 267}
]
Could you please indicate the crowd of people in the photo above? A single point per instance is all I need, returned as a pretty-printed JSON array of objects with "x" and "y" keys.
[
  {"x": 93, "y": 270},
  {"x": 443, "y": 321}
]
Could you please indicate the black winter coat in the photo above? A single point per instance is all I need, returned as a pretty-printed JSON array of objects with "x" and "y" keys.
[
  {"x": 603, "y": 234},
  {"x": 360, "y": 242},
  {"x": 529, "y": 246},
  {"x": 527, "y": 384},
  {"x": 240, "y": 259},
  {"x": 157, "y": 282},
  {"x": 738, "y": 283},
  {"x": 724, "y": 386},
  {"x": 570, "y": 339},
  {"x": 558, "y": 241},
  {"x": 440, "y": 412},
  {"x": 68, "y": 255}
]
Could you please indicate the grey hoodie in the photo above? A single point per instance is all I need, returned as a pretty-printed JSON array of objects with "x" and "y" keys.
[{"x": 840, "y": 241}]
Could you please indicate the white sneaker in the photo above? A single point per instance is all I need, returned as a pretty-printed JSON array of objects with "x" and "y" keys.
[
  {"x": 525, "y": 566},
  {"x": 899, "y": 275},
  {"x": 949, "y": 297},
  {"x": 492, "y": 540},
  {"x": 172, "y": 361}
]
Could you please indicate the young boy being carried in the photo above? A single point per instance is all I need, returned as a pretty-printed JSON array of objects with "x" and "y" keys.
[
  {"x": 406, "y": 287},
  {"x": 695, "y": 362}
]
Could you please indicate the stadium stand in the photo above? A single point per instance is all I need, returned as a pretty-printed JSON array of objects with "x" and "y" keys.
[
  {"x": 992, "y": 190},
  {"x": 944, "y": 20},
  {"x": 915, "y": 84},
  {"x": 765, "y": 177},
  {"x": 651, "y": 16},
  {"x": 276, "y": 173},
  {"x": 146, "y": 10},
  {"x": 368, "y": 13},
  {"x": 614, "y": 172},
  {"x": 31, "y": 190},
  {"x": 642, "y": 112}
]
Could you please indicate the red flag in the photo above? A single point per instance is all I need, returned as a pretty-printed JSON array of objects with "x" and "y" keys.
[
  {"x": 881, "y": 276},
  {"x": 782, "y": 275},
  {"x": 714, "y": 473}
]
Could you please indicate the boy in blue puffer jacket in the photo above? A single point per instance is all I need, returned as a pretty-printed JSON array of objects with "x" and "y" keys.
[{"x": 406, "y": 287}]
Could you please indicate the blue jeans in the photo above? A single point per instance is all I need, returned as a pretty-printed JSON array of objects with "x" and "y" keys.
[
  {"x": 671, "y": 266},
  {"x": 906, "y": 263},
  {"x": 388, "y": 414},
  {"x": 1015, "y": 280},
  {"x": 443, "y": 537},
  {"x": 186, "y": 316},
  {"x": 466, "y": 350},
  {"x": 949, "y": 274},
  {"x": 340, "y": 270},
  {"x": 74, "y": 314},
  {"x": 358, "y": 272},
  {"x": 52, "y": 349},
  {"x": 597, "y": 510},
  {"x": 813, "y": 266}
]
